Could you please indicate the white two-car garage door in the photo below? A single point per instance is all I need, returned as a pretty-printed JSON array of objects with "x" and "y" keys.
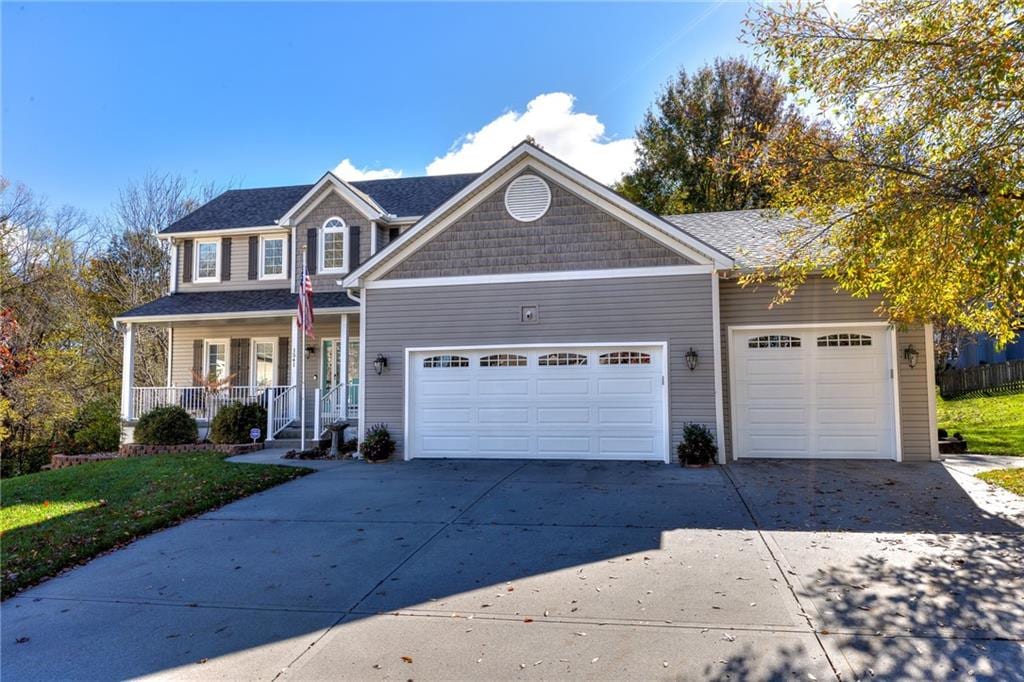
[
  {"x": 811, "y": 393},
  {"x": 563, "y": 402}
]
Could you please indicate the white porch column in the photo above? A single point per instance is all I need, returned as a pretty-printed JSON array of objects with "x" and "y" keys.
[
  {"x": 170, "y": 356},
  {"x": 343, "y": 364},
  {"x": 293, "y": 368},
  {"x": 127, "y": 370}
]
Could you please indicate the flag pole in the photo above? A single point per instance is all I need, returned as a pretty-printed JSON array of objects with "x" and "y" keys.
[{"x": 301, "y": 350}]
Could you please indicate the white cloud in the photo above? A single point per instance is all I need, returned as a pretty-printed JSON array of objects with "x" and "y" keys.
[
  {"x": 346, "y": 170},
  {"x": 574, "y": 137}
]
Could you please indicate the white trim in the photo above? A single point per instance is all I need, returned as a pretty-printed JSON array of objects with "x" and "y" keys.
[
  {"x": 563, "y": 275},
  {"x": 322, "y": 235},
  {"x": 225, "y": 231},
  {"x": 406, "y": 440},
  {"x": 373, "y": 237},
  {"x": 216, "y": 241},
  {"x": 526, "y": 155},
  {"x": 253, "y": 381},
  {"x": 227, "y": 356},
  {"x": 894, "y": 373},
  {"x": 716, "y": 340},
  {"x": 362, "y": 369},
  {"x": 226, "y": 316},
  {"x": 362, "y": 203},
  {"x": 809, "y": 325},
  {"x": 283, "y": 238},
  {"x": 929, "y": 366},
  {"x": 172, "y": 286},
  {"x": 293, "y": 364},
  {"x": 343, "y": 338}
]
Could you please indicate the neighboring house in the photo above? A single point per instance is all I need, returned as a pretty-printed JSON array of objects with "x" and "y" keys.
[
  {"x": 528, "y": 311},
  {"x": 981, "y": 349}
]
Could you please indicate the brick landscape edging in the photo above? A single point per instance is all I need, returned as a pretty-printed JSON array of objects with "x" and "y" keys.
[{"x": 138, "y": 450}]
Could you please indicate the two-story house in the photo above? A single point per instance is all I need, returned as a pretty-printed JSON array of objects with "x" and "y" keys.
[{"x": 526, "y": 312}]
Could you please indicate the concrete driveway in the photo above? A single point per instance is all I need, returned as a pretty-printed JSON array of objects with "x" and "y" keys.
[{"x": 469, "y": 569}]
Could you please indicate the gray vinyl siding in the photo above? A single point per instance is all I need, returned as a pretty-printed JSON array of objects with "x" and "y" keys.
[
  {"x": 572, "y": 235},
  {"x": 817, "y": 302},
  {"x": 330, "y": 206},
  {"x": 672, "y": 309},
  {"x": 239, "y": 270}
]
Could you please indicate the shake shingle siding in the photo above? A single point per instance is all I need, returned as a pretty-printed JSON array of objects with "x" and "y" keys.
[
  {"x": 331, "y": 206},
  {"x": 572, "y": 235},
  {"x": 673, "y": 309},
  {"x": 816, "y": 302}
]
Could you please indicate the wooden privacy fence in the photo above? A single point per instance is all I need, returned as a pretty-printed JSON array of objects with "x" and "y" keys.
[{"x": 1003, "y": 377}]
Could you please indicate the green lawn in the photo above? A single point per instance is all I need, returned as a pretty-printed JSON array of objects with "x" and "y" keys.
[
  {"x": 55, "y": 519},
  {"x": 993, "y": 425},
  {"x": 1011, "y": 479}
]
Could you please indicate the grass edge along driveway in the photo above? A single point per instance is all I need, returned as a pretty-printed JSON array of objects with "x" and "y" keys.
[
  {"x": 1010, "y": 479},
  {"x": 52, "y": 520}
]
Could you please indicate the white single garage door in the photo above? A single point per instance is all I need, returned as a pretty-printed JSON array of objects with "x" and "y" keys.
[
  {"x": 813, "y": 393},
  {"x": 579, "y": 402}
]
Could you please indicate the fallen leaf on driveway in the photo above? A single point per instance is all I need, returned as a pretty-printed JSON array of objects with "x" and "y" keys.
[{"x": 407, "y": 659}]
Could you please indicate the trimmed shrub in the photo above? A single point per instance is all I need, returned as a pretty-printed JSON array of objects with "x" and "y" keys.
[
  {"x": 698, "y": 446},
  {"x": 377, "y": 444},
  {"x": 234, "y": 421},
  {"x": 169, "y": 425},
  {"x": 97, "y": 427}
]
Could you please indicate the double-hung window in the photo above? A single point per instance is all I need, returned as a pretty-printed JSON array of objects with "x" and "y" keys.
[
  {"x": 333, "y": 254},
  {"x": 215, "y": 359},
  {"x": 273, "y": 256},
  {"x": 207, "y": 264},
  {"x": 263, "y": 365}
]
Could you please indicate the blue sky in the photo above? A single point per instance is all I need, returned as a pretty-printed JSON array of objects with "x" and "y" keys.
[{"x": 272, "y": 93}]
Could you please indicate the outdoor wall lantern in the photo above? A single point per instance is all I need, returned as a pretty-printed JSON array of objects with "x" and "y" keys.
[
  {"x": 910, "y": 355},
  {"x": 691, "y": 359},
  {"x": 380, "y": 363},
  {"x": 310, "y": 351}
]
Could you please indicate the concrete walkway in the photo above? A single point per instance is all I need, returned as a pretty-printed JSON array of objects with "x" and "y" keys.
[{"x": 510, "y": 569}]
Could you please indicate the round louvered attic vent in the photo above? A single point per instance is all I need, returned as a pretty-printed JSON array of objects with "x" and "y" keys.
[{"x": 527, "y": 198}]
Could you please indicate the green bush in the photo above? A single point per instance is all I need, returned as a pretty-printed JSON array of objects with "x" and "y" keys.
[
  {"x": 378, "y": 444},
  {"x": 28, "y": 460},
  {"x": 169, "y": 425},
  {"x": 96, "y": 427},
  {"x": 233, "y": 422},
  {"x": 698, "y": 445}
]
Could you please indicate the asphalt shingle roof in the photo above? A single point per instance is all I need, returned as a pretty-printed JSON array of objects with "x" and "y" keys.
[
  {"x": 414, "y": 196},
  {"x": 752, "y": 238},
  {"x": 257, "y": 300},
  {"x": 262, "y": 206}
]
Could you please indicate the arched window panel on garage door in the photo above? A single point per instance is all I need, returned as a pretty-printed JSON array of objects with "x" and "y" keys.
[
  {"x": 625, "y": 357},
  {"x": 773, "y": 341},
  {"x": 562, "y": 360},
  {"x": 503, "y": 360},
  {"x": 445, "y": 361},
  {"x": 843, "y": 340}
]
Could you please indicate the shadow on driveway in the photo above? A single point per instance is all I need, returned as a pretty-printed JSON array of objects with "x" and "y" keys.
[{"x": 301, "y": 571}]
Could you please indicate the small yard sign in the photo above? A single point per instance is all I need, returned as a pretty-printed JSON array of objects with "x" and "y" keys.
[{"x": 254, "y": 434}]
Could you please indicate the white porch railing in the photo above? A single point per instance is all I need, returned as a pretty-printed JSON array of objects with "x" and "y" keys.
[
  {"x": 334, "y": 405},
  {"x": 280, "y": 413},
  {"x": 204, "y": 405}
]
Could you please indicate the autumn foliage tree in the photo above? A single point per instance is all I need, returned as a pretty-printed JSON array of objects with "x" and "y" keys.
[{"x": 911, "y": 182}]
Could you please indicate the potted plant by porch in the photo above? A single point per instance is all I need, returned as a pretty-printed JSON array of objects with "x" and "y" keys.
[
  {"x": 377, "y": 444},
  {"x": 698, "y": 448}
]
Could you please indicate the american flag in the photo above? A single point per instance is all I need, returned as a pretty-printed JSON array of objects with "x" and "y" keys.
[{"x": 306, "y": 304}]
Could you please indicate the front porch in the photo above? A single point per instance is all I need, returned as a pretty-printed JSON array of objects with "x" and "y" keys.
[{"x": 214, "y": 362}]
